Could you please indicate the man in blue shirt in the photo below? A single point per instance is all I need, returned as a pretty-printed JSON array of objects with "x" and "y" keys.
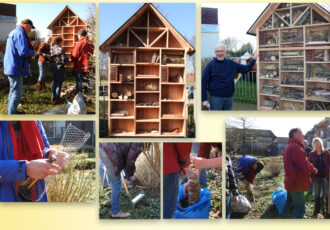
[
  {"x": 218, "y": 79},
  {"x": 16, "y": 62}
]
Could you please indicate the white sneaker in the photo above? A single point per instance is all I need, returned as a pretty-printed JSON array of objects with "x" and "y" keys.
[{"x": 120, "y": 214}]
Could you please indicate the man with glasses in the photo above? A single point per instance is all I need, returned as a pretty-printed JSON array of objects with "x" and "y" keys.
[
  {"x": 218, "y": 79},
  {"x": 19, "y": 52}
]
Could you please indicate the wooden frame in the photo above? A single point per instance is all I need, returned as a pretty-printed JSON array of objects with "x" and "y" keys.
[
  {"x": 66, "y": 25},
  {"x": 296, "y": 74},
  {"x": 154, "y": 54}
]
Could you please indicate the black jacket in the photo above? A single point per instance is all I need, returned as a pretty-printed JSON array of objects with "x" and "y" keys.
[{"x": 231, "y": 184}]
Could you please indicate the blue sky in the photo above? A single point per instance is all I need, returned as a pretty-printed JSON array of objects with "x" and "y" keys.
[
  {"x": 114, "y": 15},
  {"x": 42, "y": 14}
]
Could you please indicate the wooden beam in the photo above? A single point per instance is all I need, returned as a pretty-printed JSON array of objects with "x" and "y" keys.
[
  {"x": 148, "y": 23},
  {"x": 137, "y": 36},
  {"x": 158, "y": 38},
  {"x": 305, "y": 11}
]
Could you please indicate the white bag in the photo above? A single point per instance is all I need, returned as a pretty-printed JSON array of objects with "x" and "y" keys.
[
  {"x": 78, "y": 105},
  {"x": 242, "y": 206}
]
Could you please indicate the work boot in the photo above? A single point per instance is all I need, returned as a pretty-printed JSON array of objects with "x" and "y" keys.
[
  {"x": 120, "y": 214},
  {"x": 317, "y": 206},
  {"x": 43, "y": 84},
  {"x": 39, "y": 87}
]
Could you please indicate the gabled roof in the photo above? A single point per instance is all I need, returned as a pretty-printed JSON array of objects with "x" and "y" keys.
[
  {"x": 182, "y": 40},
  {"x": 267, "y": 12},
  {"x": 61, "y": 14}
]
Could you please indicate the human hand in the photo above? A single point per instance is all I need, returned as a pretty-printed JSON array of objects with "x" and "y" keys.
[
  {"x": 235, "y": 199},
  {"x": 40, "y": 169},
  {"x": 198, "y": 162},
  {"x": 205, "y": 104},
  {"x": 133, "y": 178},
  {"x": 184, "y": 172},
  {"x": 316, "y": 171},
  {"x": 185, "y": 189},
  {"x": 256, "y": 54}
]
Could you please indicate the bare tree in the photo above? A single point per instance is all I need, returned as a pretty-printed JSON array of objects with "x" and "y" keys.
[
  {"x": 233, "y": 138},
  {"x": 91, "y": 28},
  {"x": 230, "y": 43}
]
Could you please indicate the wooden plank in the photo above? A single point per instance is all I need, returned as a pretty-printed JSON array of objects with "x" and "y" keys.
[
  {"x": 138, "y": 37},
  {"x": 158, "y": 38}
]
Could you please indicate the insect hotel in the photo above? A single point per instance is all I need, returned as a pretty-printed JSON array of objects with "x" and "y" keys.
[
  {"x": 293, "y": 40},
  {"x": 147, "y": 77},
  {"x": 66, "y": 25}
]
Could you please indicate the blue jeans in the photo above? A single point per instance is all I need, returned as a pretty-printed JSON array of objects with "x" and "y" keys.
[
  {"x": 79, "y": 79},
  {"x": 221, "y": 103},
  {"x": 15, "y": 93},
  {"x": 115, "y": 189},
  {"x": 42, "y": 70},
  {"x": 57, "y": 84},
  {"x": 228, "y": 204},
  {"x": 103, "y": 174},
  {"x": 297, "y": 201},
  {"x": 170, "y": 194},
  {"x": 321, "y": 184}
]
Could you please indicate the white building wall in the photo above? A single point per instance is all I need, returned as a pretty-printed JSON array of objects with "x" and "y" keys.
[
  {"x": 7, "y": 24},
  {"x": 210, "y": 38}
]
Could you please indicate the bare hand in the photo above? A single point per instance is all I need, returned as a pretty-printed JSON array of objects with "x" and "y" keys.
[
  {"x": 316, "y": 171},
  {"x": 184, "y": 172},
  {"x": 198, "y": 162},
  {"x": 235, "y": 199},
  {"x": 133, "y": 178},
  {"x": 39, "y": 169},
  {"x": 185, "y": 189},
  {"x": 205, "y": 104},
  {"x": 256, "y": 54}
]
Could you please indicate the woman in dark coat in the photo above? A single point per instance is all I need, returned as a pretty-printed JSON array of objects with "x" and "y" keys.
[{"x": 320, "y": 157}]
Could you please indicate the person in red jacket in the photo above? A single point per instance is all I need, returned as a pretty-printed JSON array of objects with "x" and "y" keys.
[
  {"x": 80, "y": 55},
  {"x": 297, "y": 171},
  {"x": 176, "y": 159}
]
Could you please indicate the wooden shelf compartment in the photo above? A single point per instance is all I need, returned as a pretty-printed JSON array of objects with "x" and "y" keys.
[
  {"x": 268, "y": 56},
  {"x": 318, "y": 72},
  {"x": 172, "y": 92},
  {"x": 317, "y": 34},
  {"x": 318, "y": 91},
  {"x": 172, "y": 127},
  {"x": 318, "y": 55},
  {"x": 121, "y": 127},
  {"x": 292, "y": 53},
  {"x": 292, "y": 78},
  {"x": 151, "y": 70},
  {"x": 269, "y": 70},
  {"x": 172, "y": 57},
  {"x": 292, "y": 93},
  {"x": 292, "y": 64},
  {"x": 118, "y": 106},
  {"x": 68, "y": 29},
  {"x": 122, "y": 89},
  {"x": 172, "y": 108},
  {"x": 269, "y": 38},
  {"x": 68, "y": 37},
  {"x": 147, "y": 99},
  {"x": 147, "y": 113},
  {"x": 122, "y": 56},
  {"x": 291, "y": 35},
  {"x": 147, "y": 85},
  {"x": 291, "y": 105},
  {"x": 269, "y": 102},
  {"x": 317, "y": 105},
  {"x": 147, "y": 128},
  {"x": 147, "y": 57},
  {"x": 269, "y": 89}
]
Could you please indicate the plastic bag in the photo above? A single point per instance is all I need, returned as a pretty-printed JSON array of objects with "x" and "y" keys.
[
  {"x": 78, "y": 105},
  {"x": 199, "y": 210},
  {"x": 279, "y": 199},
  {"x": 242, "y": 206}
]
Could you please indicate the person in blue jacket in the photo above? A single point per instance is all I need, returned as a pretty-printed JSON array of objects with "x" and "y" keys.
[
  {"x": 12, "y": 171},
  {"x": 16, "y": 62},
  {"x": 218, "y": 79}
]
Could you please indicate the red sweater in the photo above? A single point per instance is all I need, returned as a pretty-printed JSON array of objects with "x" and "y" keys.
[
  {"x": 175, "y": 157},
  {"x": 296, "y": 167},
  {"x": 80, "y": 54}
]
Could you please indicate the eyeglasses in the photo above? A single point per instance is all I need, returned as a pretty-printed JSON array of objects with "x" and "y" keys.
[{"x": 218, "y": 51}]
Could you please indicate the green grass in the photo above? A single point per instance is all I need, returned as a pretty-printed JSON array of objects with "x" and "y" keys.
[
  {"x": 264, "y": 186},
  {"x": 35, "y": 102},
  {"x": 147, "y": 208},
  {"x": 214, "y": 185}
]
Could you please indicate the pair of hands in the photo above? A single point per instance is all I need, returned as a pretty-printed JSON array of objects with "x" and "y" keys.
[{"x": 41, "y": 168}]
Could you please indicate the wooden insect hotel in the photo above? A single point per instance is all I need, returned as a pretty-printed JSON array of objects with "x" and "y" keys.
[
  {"x": 293, "y": 40},
  {"x": 66, "y": 25},
  {"x": 147, "y": 77}
]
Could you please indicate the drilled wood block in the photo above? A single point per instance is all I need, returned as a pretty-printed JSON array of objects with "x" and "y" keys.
[
  {"x": 164, "y": 74},
  {"x": 113, "y": 73}
]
